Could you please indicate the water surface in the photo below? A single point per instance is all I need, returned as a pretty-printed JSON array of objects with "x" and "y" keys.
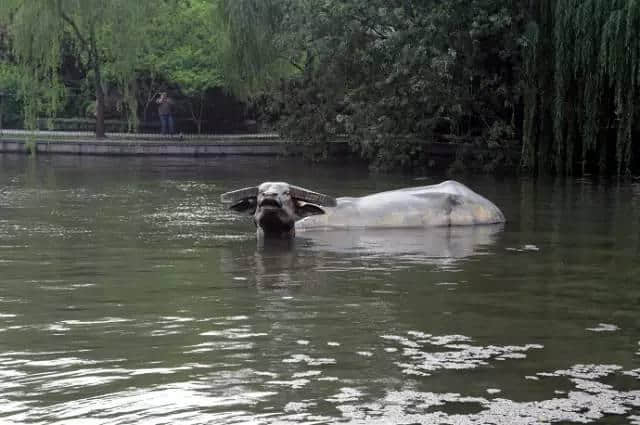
[{"x": 128, "y": 295}]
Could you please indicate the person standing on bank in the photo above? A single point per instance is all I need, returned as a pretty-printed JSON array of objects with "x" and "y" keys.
[{"x": 165, "y": 105}]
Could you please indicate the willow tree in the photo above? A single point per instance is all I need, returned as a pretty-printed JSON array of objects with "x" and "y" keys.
[
  {"x": 260, "y": 41},
  {"x": 4, "y": 43},
  {"x": 94, "y": 32},
  {"x": 184, "y": 49},
  {"x": 582, "y": 81}
]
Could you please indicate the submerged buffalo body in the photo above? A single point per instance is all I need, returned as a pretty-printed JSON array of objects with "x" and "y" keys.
[{"x": 279, "y": 209}]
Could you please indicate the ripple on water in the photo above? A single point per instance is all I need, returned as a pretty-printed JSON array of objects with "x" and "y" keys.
[
  {"x": 61, "y": 362},
  {"x": 345, "y": 395},
  {"x": 307, "y": 374},
  {"x": 421, "y": 362},
  {"x": 201, "y": 401},
  {"x": 590, "y": 401},
  {"x": 103, "y": 321},
  {"x": 298, "y": 407},
  {"x": 293, "y": 384},
  {"x": 174, "y": 403},
  {"x": 11, "y": 231},
  {"x": 417, "y": 407},
  {"x": 604, "y": 327},
  {"x": 235, "y": 333},
  {"x": 85, "y": 378},
  {"x": 193, "y": 213},
  {"x": 206, "y": 347},
  {"x": 310, "y": 361}
]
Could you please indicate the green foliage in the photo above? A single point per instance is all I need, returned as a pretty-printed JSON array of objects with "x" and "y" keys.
[
  {"x": 185, "y": 49},
  {"x": 39, "y": 85},
  {"x": 10, "y": 106},
  {"x": 392, "y": 75},
  {"x": 261, "y": 41},
  {"x": 94, "y": 32},
  {"x": 583, "y": 60},
  {"x": 5, "y": 50}
]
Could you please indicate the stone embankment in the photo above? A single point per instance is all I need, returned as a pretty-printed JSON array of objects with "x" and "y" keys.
[{"x": 84, "y": 143}]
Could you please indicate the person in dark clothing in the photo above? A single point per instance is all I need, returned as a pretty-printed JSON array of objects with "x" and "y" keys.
[{"x": 165, "y": 106}]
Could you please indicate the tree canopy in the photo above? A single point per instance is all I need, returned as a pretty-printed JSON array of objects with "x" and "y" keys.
[
  {"x": 391, "y": 75},
  {"x": 92, "y": 32},
  {"x": 185, "y": 49},
  {"x": 548, "y": 86},
  {"x": 583, "y": 79},
  {"x": 260, "y": 41}
]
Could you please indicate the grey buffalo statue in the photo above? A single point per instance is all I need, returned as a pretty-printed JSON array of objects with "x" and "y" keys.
[{"x": 279, "y": 209}]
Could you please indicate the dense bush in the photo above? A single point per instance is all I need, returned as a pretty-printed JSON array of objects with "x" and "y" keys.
[
  {"x": 392, "y": 75},
  {"x": 10, "y": 105},
  {"x": 557, "y": 80},
  {"x": 546, "y": 86}
]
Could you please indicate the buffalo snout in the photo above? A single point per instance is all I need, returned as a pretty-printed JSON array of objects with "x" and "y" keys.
[
  {"x": 276, "y": 206},
  {"x": 270, "y": 199}
]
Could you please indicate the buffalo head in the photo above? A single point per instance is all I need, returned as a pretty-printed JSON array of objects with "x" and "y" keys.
[{"x": 276, "y": 206}]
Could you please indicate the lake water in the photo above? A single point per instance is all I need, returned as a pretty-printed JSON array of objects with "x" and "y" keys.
[{"x": 129, "y": 295}]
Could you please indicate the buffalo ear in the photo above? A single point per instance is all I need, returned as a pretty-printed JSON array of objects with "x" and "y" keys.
[
  {"x": 246, "y": 205},
  {"x": 304, "y": 209}
]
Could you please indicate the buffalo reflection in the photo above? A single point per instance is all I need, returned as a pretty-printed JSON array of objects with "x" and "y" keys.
[
  {"x": 307, "y": 259},
  {"x": 432, "y": 243}
]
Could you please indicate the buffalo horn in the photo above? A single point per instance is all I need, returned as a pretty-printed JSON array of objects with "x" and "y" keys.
[
  {"x": 312, "y": 197},
  {"x": 235, "y": 196}
]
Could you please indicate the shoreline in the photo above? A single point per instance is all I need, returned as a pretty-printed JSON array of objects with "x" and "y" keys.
[
  {"x": 124, "y": 144},
  {"x": 25, "y": 142}
]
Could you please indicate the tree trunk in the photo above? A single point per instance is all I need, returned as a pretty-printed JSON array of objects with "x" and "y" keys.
[
  {"x": 200, "y": 114},
  {"x": 100, "y": 134},
  {"x": 99, "y": 108},
  {"x": 151, "y": 95},
  {"x": 197, "y": 118}
]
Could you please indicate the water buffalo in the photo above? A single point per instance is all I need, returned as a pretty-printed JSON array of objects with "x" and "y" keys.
[{"x": 279, "y": 209}]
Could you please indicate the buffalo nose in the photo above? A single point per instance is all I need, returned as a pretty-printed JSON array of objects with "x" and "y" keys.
[
  {"x": 271, "y": 198},
  {"x": 270, "y": 195}
]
